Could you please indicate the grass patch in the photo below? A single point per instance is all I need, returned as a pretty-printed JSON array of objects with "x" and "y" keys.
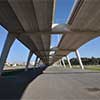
[
  {"x": 12, "y": 72},
  {"x": 89, "y": 67},
  {"x": 93, "y": 67}
]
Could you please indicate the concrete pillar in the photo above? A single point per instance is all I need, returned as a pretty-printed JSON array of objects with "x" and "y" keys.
[
  {"x": 8, "y": 43},
  {"x": 36, "y": 61},
  {"x": 63, "y": 63},
  {"x": 39, "y": 62},
  {"x": 56, "y": 63},
  {"x": 28, "y": 61},
  {"x": 69, "y": 63},
  {"x": 60, "y": 63},
  {"x": 79, "y": 59}
]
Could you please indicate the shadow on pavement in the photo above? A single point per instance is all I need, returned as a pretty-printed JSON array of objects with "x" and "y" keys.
[{"x": 13, "y": 84}]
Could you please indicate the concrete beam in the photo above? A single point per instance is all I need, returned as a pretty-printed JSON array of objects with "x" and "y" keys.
[
  {"x": 64, "y": 29},
  {"x": 79, "y": 59},
  {"x": 8, "y": 43},
  {"x": 28, "y": 61}
]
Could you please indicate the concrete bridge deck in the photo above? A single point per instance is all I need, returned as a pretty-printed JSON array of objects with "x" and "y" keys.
[{"x": 55, "y": 83}]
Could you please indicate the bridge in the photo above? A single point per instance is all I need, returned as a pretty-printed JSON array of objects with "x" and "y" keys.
[{"x": 32, "y": 23}]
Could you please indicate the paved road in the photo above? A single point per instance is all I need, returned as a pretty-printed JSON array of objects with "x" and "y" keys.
[
  {"x": 56, "y": 83},
  {"x": 61, "y": 84}
]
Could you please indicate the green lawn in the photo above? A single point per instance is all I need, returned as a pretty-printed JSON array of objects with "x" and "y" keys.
[
  {"x": 12, "y": 72},
  {"x": 93, "y": 67},
  {"x": 89, "y": 67}
]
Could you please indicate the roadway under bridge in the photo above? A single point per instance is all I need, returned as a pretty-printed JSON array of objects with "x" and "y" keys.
[
  {"x": 55, "y": 83},
  {"x": 32, "y": 23}
]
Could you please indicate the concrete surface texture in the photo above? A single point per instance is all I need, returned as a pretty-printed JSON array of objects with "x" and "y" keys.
[{"x": 56, "y": 83}]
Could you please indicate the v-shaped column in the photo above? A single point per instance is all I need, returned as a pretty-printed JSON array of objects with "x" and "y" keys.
[
  {"x": 28, "y": 61},
  {"x": 79, "y": 59},
  {"x": 8, "y": 43}
]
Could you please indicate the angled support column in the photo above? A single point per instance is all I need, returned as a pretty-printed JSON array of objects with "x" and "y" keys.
[
  {"x": 28, "y": 61},
  {"x": 79, "y": 59},
  {"x": 69, "y": 61},
  {"x": 8, "y": 43},
  {"x": 36, "y": 61},
  {"x": 39, "y": 62},
  {"x": 56, "y": 63},
  {"x": 60, "y": 63},
  {"x": 63, "y": 63}
]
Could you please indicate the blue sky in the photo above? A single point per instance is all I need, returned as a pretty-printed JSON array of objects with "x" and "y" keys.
[{"x": 19, "y": 52}]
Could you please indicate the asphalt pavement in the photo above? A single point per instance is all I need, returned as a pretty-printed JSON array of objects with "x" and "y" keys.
[{"x": 55, "y": 83}]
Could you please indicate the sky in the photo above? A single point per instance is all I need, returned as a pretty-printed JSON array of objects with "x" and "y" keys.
[{"x": 19, "y": 53}]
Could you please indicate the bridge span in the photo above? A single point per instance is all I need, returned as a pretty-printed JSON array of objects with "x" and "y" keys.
[{"x": 32, "y": 23}]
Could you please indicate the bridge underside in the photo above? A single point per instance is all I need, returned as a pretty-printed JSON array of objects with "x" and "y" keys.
[{"x": 31, "y": 21}]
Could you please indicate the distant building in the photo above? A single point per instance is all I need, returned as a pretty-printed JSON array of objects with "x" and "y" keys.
[
  {"x": 14, "y": 65},
  {"x": 32, "y": 63},
  {"x": 7, "y": 64}
]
